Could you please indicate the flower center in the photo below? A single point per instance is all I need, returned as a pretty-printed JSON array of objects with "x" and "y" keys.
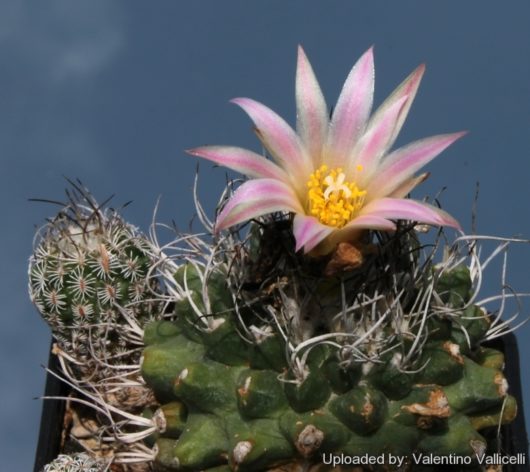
[{"x": 331, "y": 199}]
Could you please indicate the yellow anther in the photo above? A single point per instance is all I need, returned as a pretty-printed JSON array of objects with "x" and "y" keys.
[{"x": 332, "y": 199}]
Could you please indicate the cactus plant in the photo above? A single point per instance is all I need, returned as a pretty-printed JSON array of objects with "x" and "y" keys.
[
  {"x": 357, "y": 346},
  {"x": 90, "y": 279},
  {"x": 252, "y": 401},
  {"x": 323, "y": 328}
]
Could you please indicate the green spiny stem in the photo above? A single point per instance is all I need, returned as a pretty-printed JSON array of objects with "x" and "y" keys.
[{"x": 235, "y": 406}]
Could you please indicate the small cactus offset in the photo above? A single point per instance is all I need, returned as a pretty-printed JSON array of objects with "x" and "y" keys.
[
  {"x": 90, "y": 279},
  {"x": 79, "y": 462}
]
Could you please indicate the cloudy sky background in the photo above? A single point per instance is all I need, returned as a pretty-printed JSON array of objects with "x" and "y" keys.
[{"x": 112, "y": 92}]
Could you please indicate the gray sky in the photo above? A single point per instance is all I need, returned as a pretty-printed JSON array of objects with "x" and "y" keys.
[{"x": 113, "y": 92}]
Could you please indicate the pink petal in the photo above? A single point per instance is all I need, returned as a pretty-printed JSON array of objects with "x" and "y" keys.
[
  {"x": 402, "y": 163},
  {"x": 404, "y": 209},
  {"x": 407, "y": 88},
  {"x": 409, "y": 185},
  {"x": 279, "y": 139},
  {"x": 369, "y": 221},
  {"x": 353, "y": 230},
  {"x": 241, "y": 160},
  {"x": 352, "y": 110},
  {"x": 373, "y": 144},
  {"x": 308, "y": 232},
  {"x": 255, "y": 198},
  {"x": 311, "y": 109}
]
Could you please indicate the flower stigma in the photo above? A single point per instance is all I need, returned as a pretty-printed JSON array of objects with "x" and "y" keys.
[{"x": 332, "y": 199}]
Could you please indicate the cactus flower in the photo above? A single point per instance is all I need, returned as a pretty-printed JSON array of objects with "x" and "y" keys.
[{"x": 335, "y": 174}]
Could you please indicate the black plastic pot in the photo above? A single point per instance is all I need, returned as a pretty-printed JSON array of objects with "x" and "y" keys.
[
  {"x": 52, "y": 418},
  {"x": 514, "y": 436}
]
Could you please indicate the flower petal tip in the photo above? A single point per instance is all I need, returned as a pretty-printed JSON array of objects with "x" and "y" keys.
[
  {"x": 194, "y": 152},
  {"x": 368, "y": 57},
  {"x": 417, "y": 76},
  {"x": 302, "y": 63},
  {"x": 240, "y": 101},
  {"x": 445, "y": 219},
  {"x": 453, "y": 223},
  {"x": 298, "y": 246},
  {"x": 453, "y": 137},
  {"x": 422, "y": 178},
  {"x": 456, "y": 136}
]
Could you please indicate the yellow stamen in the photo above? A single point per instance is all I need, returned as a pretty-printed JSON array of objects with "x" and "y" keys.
[{"x": 332, "y": 199}]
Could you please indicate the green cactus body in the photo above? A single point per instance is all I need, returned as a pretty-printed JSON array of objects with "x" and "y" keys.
[{"x": 247, "y": 411}]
